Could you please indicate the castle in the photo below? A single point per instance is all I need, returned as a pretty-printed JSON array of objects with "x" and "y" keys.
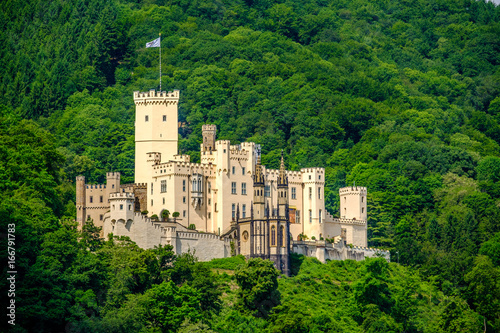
[{"x": 228, "y": 203}]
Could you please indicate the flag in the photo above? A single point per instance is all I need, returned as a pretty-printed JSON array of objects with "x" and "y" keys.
[{"x": 154, "y": 43}]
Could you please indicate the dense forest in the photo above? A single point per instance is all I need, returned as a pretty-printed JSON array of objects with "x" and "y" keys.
[{"x": 400, "y": 96}]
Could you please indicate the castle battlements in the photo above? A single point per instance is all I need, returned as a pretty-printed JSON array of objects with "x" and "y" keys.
[
  {"x": 121, "y": 195},
  {"x": 348, "y": 221},
  {"x": 156, "y": 94},
  {"x": 353, "y": 190},
  {"x": 95, "y": 186}
]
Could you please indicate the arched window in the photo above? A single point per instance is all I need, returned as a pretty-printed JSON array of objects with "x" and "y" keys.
[{"x": 273, "y": 236}]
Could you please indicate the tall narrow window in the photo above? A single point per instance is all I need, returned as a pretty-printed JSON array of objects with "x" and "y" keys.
[
  {"x": 310, "y": 193},
  {"x": 273, "y": 236},
  {"x": 183, "y": 185},
  {"x": 163, "y": 188},
  {"x": 101, "y": 199},
  {"x": 243, "y": 171},
  {"x": 234, "y": 170},
  {"x": 294, "y": 193},
  {"x": 91, "y": 199},
  {"x": 244, "y": 188},
  {"x": 297, "y": 216},
  {"x": 233, "y": 187},
  {"x": 121, "y": 207},
  {"x": 233, "y": 211},
  {"x": 310, "y": 216},
  {"x": 164, "y": 118},
  {"x": 101, "y": 217},
  {"x": 319, "y": 192},
  {"x": 267, "y": 191},
  {"x": 243, "y": 211},
  {"x": 282, "y": 236},
  {"x": 151, "y": 188},
  {"x": 146, "y": 118},
  {"x": 320, "y": 216}
]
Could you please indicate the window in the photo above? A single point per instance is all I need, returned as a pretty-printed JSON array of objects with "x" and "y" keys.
[
  {"x": 319, "y": 192},
  {"x": 91, "y": 199},
  {"x": 309, "y": 177},
  {"x": 234, "y": 170},
  {"x": 233, "y": 211},
  {"x": 243, "y": 171},
  {"x": 121, "y": 207},
  {"x": 163, "y": 200},
  {"x": 297, "y": 216},
  {"x": 275, "y": 211},
  {"x": 320, "y": 216},
  {"x": 233, "y": 187},
  {"x": 163, "y": 187},
  {"x": 112, "y": 185},
  {"x": 282, "y": 236},
  {"x": 362, "y": 209},
  {"x": 183, "y": 199},
  {"x": 294, "y": 193},
  {"x": 183, "y": 213},
  {"x": 184, "y": 185},
  {"x": 151, "y": 188},
  {"x": 244, "y": 188},
  {"x": 129, "y": 207},
  {"x": 209, "y": 201},
  {"x": 146, "y": 118},
  {"x": 310, "y": 216},
  {"x": 319, "y": 177},
  {"x": 215, "y": 206},
  {"x": 151, "y": 202},
  {"x": 164, "y": 118},
  {"x": 310, "y": 192},
  {"x": 101, "y": 217},
  {"x": 244, "y": 211},
  {"x": 267, "y": 191},
  {"x": 209, "y": 215},
  {"x": 362, "y": 199},
  {"x": 101, "y": 199},
  {"x": 273, "y": 236},
  {"x": 209, "y": 187}
]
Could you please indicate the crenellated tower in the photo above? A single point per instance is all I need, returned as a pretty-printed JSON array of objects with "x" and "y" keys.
[
  {"x": 156, "y": 129},
  {"x": 209, "y": 134}
]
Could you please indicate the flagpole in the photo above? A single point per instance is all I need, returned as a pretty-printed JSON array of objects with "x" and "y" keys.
[{"x": 160, "y": 61}]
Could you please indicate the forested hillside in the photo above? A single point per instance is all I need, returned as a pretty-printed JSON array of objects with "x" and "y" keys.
[{"x": 402, "y": 97}]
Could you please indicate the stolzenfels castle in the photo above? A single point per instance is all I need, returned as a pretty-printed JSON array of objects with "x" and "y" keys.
[{"x": 227, "y": 204}]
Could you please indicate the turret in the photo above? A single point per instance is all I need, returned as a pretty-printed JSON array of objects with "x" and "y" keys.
[
  {"x": 353, "y": 203},
  {"x": 282, "y": 190},
  {"x": 258, "y": 190},
  {"x": 209, "y": 133},
  {"x": 112, "y": 182}
]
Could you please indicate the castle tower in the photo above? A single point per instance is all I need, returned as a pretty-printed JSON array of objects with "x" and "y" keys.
[
  {"x": 258, "y": 191},
  {"x": 282, "y": 190},
  {"x": 156, "y": 129},
  {"x": 80, "y": 201},
  {"x": 209, "y": 134},
  {"x": 353, "y": 203},
  {"x": 112, "y": 182}
]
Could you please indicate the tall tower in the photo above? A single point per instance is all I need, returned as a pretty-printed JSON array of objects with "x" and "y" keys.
[
  {"x": 80, "y": 201},
  {"x": 258, "y": 191},
  {"x": 209, "y": 133},
  {"x": 282, "y": 190},
  {"x": 156, "y": 129}
]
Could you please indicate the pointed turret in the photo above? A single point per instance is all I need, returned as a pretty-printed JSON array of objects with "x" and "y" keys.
[
  {"x": 282, "y": 190},
  {"x": 258, "y": 190}
]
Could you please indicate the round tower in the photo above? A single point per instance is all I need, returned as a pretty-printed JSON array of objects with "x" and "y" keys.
[
  {"x": 353, "y": 203},
  {"x": 209, "y": 134},
  {"x": 258, "y": 191}
]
